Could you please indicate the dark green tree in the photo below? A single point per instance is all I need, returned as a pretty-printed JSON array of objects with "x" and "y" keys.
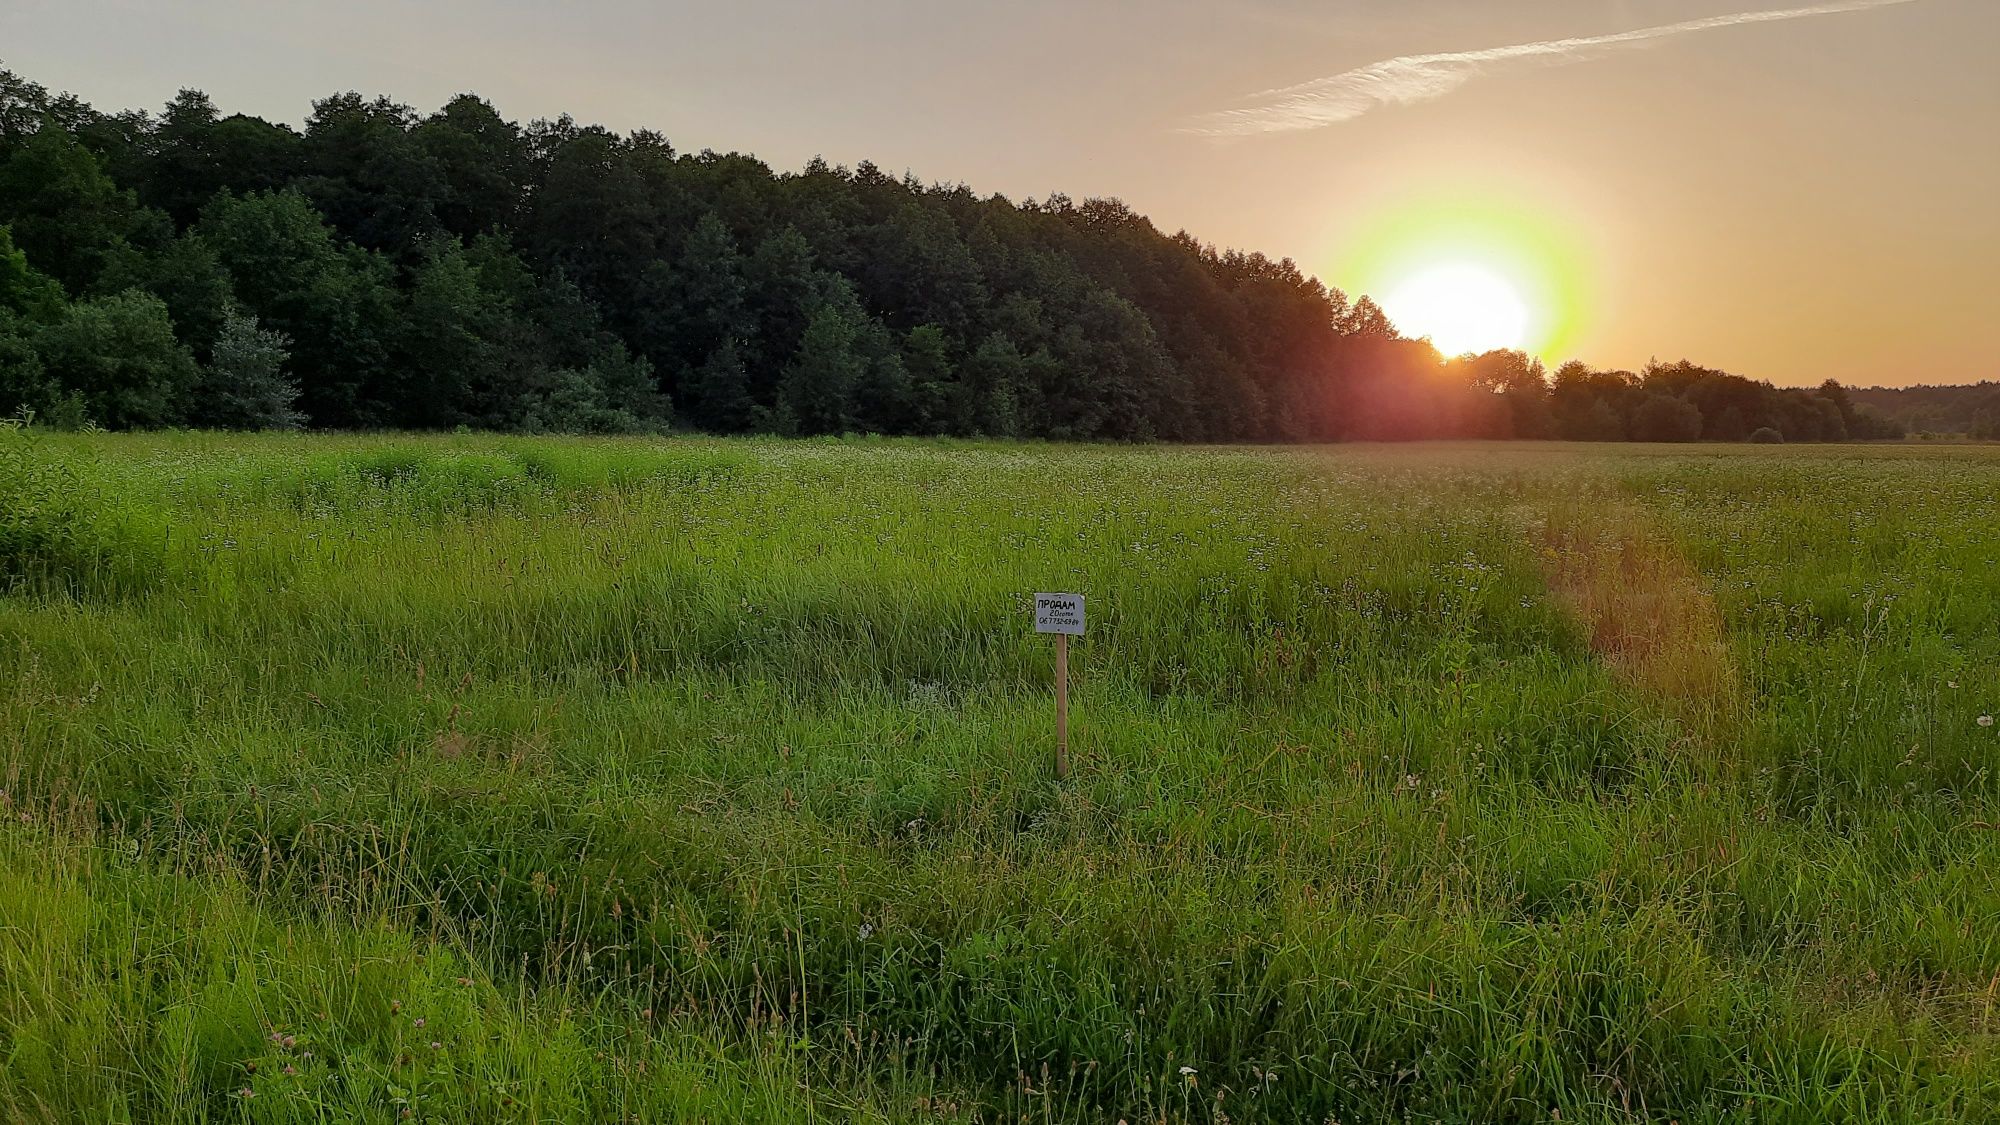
[
  {"x": 245, "y": 385},
  {"x": 370, "y": 177},
  {"x": 818, "y": 391},
  {"x": 25, "y": 389},
  {"x": 1726, "y": 425},
  {"x": 1521, "y": 384},
  {"x": 453, "y": 339},
  {"x": 334, "y": 301},
  {"x": 184, "y": 169},
  {"x": 592, "y": 216},
  {"x": 484, "y": 161},
  {"x": 25, "y": 293},
  {"x": 193, "y": 152},
  {"x": 718, "y": 395},
  {"x": 1664, "y": 417},
  {"x": 695, "y": 301},
  {"x": 940, "y": 403},
  {"x": 66, "y": 214},
  {"x": 782, "y": 289},
  {"x": 995, "y": 376},
  {"x": 188, "y": 276}
]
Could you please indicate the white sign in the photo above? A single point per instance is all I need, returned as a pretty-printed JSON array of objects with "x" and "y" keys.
[{"x": 1059, "y": 613}]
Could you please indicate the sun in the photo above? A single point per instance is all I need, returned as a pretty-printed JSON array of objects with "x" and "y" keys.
[
  {"x": 1461, "y": 307},
  {"x": 1471, "y": 271}
]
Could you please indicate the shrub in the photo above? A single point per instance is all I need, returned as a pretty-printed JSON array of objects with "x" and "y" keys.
[
  {"x": 120, "y": 355},
  {"x": 578, "y": 404},
  {"x": 1765, "y": 435}
]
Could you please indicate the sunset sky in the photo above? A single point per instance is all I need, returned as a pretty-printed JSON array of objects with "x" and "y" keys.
[{"x": 1789, "y": 190}]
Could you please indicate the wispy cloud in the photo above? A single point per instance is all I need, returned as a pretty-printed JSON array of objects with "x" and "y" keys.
[{"x": 1421, "y": 78}]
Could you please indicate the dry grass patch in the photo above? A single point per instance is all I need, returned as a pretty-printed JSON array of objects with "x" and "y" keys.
[{"x": 1646, "y": 610}]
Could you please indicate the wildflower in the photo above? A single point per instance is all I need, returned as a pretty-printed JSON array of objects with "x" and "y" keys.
[
  {"x": 420, "y": 1021},
  {"x": 867, "y": 931},
  {"x": 436, "y": 1046},
  {"x": 1985, "y": 720},
  {"x": 291, "y": 1071},
  {"x": 1186, "y": 1071},
  {"x": 246, "y": 1092}
]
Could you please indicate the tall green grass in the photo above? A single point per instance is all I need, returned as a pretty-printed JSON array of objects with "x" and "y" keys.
[{"x": 730, "y": 760}]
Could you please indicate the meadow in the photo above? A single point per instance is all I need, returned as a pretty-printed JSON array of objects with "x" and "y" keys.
[{"x": 481, "y": 779}]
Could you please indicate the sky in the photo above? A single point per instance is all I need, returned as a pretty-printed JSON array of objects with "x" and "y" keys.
[{"x": 1786, "y": 189}]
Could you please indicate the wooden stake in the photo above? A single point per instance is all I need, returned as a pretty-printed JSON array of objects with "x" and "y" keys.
[{"x": 1062, "y": 706}]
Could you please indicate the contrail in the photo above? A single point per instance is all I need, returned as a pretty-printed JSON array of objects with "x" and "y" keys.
[{"x": 1421, "y": 78}]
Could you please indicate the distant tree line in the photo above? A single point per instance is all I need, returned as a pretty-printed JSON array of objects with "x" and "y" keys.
[
  {"x": 381, "y": 268},
  {"x": 1933, "y": 411}
]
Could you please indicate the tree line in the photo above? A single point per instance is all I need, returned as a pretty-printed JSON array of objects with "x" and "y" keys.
[
  {"x": 1927, "y": 410},
  {"x": 382, "y": 268}
]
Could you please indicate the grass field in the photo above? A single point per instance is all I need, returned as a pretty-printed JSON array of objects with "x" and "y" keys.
[{"x": 482, "y": 779}]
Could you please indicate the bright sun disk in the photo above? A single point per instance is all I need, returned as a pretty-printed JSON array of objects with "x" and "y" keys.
[{"x": 1461, "y": 308}]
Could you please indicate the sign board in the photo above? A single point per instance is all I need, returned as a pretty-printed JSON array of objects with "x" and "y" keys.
[{"x": 1059, "y": 613}]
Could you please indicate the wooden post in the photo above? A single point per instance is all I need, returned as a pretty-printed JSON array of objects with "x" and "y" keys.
[
  {"x": 1062, "y": 706},
  {"x": 1061, "y": 614}
]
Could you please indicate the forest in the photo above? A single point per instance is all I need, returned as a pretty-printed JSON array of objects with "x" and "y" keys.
[{"x": 386, "y": 269}]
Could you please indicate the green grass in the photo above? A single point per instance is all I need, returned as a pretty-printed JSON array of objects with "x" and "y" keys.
[{"x": 713, "y": 781}]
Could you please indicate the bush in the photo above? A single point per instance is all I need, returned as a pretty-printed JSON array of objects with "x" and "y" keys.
[
  {"x": 1765, "y": 435},
  {"x": 120, "y": 355},
  {"x": 577, "y": 404}
]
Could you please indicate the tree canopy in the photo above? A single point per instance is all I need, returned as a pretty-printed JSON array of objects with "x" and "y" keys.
[{"x": 386, "y": 268}]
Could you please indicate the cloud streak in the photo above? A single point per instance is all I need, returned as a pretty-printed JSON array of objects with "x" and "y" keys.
[{"x": 1421, "y": 78}]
